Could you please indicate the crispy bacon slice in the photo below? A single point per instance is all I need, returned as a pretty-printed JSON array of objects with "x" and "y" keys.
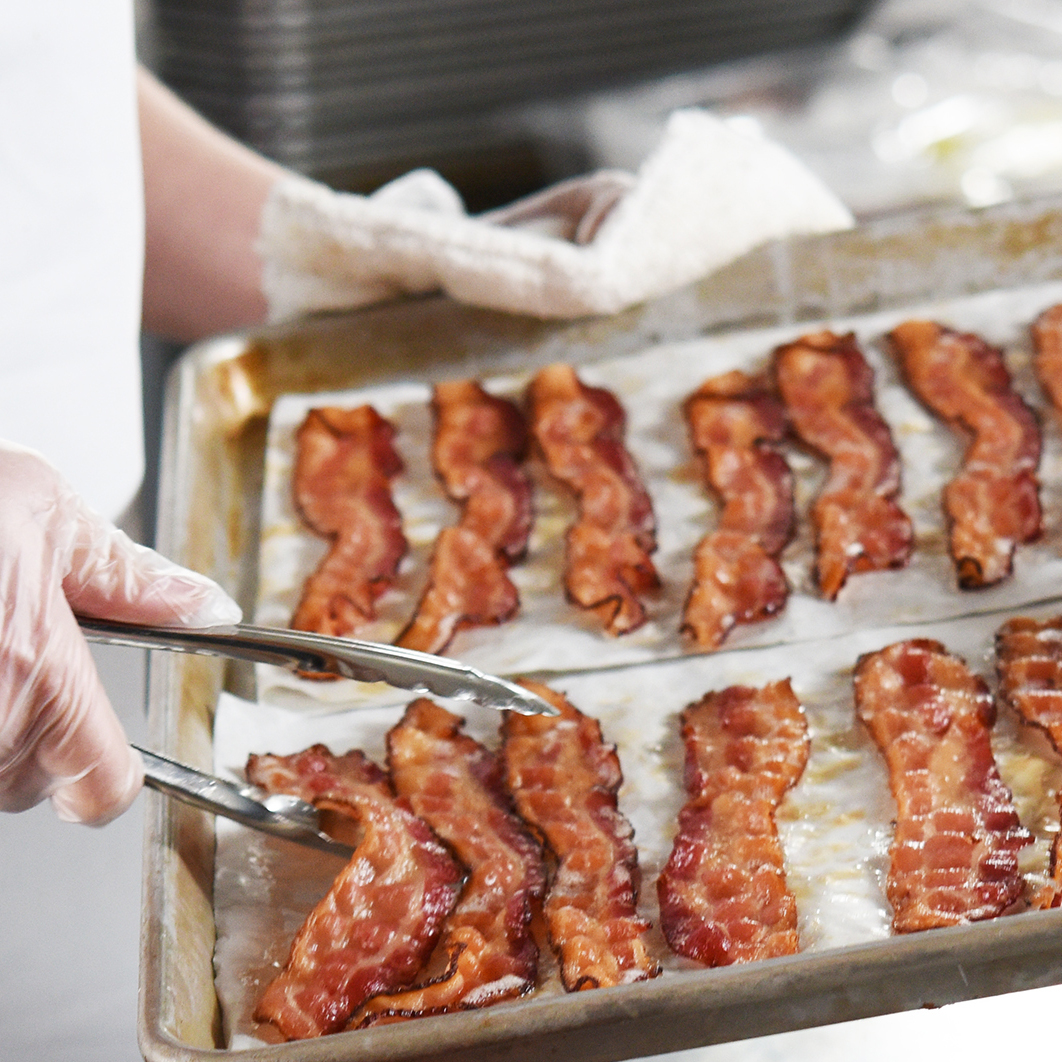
[
  {"x": 993, "y": 503},
  {"x": 828, "y": 388},
  {"x": 735, "y": 423},
  {"x": 953, "y": 857},
  {"x": 457, "y": 786},
  {"x": 1047, "y": 360},
  {"x": 479, "y": 443},
  {"x": 380, "y": 920},
  {"x": 723, "y": 893},
  {"x": 344, "y": 465},
  {"x": 580, "y": 432},
  {"x": 564, "y": 780},
  {"x": 1029, "y": 665}
]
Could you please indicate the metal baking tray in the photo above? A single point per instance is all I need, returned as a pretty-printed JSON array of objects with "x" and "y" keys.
[{"x": 216, "y": 409}]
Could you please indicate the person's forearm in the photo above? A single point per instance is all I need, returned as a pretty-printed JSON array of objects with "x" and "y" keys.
[{"x": 204, "y": 194}]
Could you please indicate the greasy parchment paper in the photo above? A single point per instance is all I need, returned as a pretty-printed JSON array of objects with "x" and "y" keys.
[
  {"x": 834, "y": 825},
  {"x": 549, "y": 634}
]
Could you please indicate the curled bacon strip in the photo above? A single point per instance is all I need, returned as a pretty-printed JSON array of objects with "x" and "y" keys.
[
  {"x": 1029, "y": 665},
  {"x": 993, "y": 503},
  {"x": 343, "y": 469},
  {"x": 580, "y": 431},
  {"x": 828, "y": 388},
  {"x": 1047, "y": 344},
  {"x": 723, "y": 893},
  {"x": 380, "y": 920},
  {"x": 456, "y": 785},
  {"x": 479, "y": 443},
  {"x": 953, "y": 857},
  {"x": 734, "y": 423},
  {"x": 564, "y": 780}
]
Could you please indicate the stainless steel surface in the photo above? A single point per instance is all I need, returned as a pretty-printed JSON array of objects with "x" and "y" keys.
[
  {"x": 217, "y": 408},
  {"x": 328, "y": 86},
  {"x": 275, "y": 813},
  {"x": 317, "y": 653}
]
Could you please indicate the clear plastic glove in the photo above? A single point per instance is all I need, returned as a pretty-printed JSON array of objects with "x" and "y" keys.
[
  {"x": 59, "y": 736},
  {"x": 597, "y": 244}
]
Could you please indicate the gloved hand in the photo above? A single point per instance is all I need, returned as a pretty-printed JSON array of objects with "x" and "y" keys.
[
  {"x": 707, "y": 195},
  {"x": 59, "y": 736}
]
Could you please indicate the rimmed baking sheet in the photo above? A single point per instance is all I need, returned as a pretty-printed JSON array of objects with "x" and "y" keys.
[
  {"x": 836, "y": 823},
  {"x": 211, "y": 494}
]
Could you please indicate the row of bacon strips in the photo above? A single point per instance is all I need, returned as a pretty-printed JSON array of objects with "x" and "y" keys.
[
  {"x": 818, "y": 389},
  {"x": 953, "y": 858},
  {"x": 821, "y": 388},
  {"x": 345, "y": 461},
  {"x": 435, "y": 911}
]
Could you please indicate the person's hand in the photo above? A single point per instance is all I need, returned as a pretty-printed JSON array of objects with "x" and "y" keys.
[
  {"x": 596, "y": 244},
  {"x": 59, "y": 736}
]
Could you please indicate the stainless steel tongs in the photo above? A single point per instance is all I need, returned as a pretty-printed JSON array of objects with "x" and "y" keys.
[
  {"x": 275, "y": 813},
  {"x": 346, "y": 657}
]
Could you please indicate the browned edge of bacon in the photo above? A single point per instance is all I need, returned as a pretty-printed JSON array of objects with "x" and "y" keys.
[
  {"x": 457, "y": 786},
  {"x": 381, "y": 918},
  {"x": 723, "y": 893},
  {"x": 478, "y": 447},
  {"x": 1047, "y": 353},
  {"x": 580, "y": 432},
  {"x": 954, "y": 853},
  {"x": 992, "y": 504},
  {"x": 345, "y": 461},
  {"x": 735, "y": 423},
  {"x": 1029, "y": 666},
  {"x": 564, "y": 780},
  {"x": 828, "y": 388}
]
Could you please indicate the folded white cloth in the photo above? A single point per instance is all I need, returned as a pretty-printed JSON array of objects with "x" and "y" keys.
[{"x": 595, "y": 245}]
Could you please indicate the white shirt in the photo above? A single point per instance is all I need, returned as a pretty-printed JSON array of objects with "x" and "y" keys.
[{"x": 71, "y": 242}]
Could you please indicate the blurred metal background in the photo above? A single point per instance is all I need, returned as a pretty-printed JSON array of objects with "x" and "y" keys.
[{"x": 357, "y": 91}]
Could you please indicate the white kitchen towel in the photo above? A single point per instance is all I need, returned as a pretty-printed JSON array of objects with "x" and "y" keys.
[{"x": 708, "y": 194}]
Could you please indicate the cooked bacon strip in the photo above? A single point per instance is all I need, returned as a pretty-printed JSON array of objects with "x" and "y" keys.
[
  {"x": 457, "y": 786},
  {"x": 380, "y": 920},
  {"x": 723, "y": 893},
  {"x": 564, "y": 780},
  {"x": 344, "y": 465},
  {"x": 993, "y": 503},
  {"x": 953, "y": 857},
  {"x": 479, "y": 442},
  {"x": 735, "y": 423},
  {"x": 828, "y": 388},
  {"x": 1047, "y": 344},
  {"x": 1029, "y": 665},
  {"x": 580, "y": 431}
]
